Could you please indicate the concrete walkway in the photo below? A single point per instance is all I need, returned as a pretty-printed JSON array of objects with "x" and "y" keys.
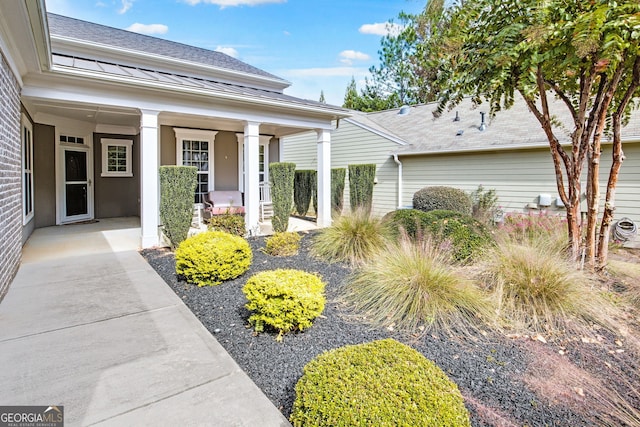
[{"x": 89, "y": 325}]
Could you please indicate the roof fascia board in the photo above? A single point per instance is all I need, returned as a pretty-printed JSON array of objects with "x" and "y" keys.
[
  {"x": 388, "y": 136},
  {"x": 53, "y": 92},
  {"x": 170, "y": 87},
  {"x": 71, "y": 46},
  {"x": 40, "y": 30},
  {"x": 511, "y": 147}
]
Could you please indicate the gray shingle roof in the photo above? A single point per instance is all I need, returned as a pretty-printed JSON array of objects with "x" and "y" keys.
[
  {"x": 148, "y": 76},
  {"x": 515, "y": 127},
  {"x": 96, "y": 33}
]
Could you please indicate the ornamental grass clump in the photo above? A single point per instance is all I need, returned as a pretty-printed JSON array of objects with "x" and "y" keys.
[
  {"x": 212, "y": 257},
  {"x": 410, "y": 286},
  {"x": 537, "y": 289},
  {"x": 381, "y": 383},
  {"x": 284, "y": 300},
  {"x": 352, "y": 238},
  {"x": 282, "y": 244}
]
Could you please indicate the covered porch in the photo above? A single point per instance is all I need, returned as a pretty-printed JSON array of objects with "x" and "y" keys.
[{"x": 101, "y": 160}]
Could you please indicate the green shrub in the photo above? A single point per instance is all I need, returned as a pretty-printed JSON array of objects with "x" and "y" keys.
[
  {"x": 538, "y": 289},
  {"x": 177, "y": 189},
  {"x": 442, "y": 198},
  {"x": 281, "y": 175},
  {"x": 351, "y": 238},
  {"x": 484, "y": 205},
  {"x": 284, "y": 300},
  {"x": 382, "y": 383},
  {"x": 361, "y": 181},
  {"x": 212, "y": 257},
  {"x": 338, "y": 176},
  {"x": 229, "y": 223},
  {"x": 411, "y": 286},
  {"x": 303, "y": 190},
  {"x": 314, "y": 191},
  {"x": 282, "y": 244},
  {"x": 466, "y": 236}
]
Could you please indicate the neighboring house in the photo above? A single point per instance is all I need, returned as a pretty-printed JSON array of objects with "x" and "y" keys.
[
  {"x": 89, "y": 113},
  {"x": 511, "y": 154}
]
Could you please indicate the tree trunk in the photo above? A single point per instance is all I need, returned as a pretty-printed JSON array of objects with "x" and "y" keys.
[
  {"x": 609, "y": 204},
  {"x": 573, "y": 228}
]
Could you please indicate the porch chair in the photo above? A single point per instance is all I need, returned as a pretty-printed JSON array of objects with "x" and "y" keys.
[{"x": 266, "y": 206}]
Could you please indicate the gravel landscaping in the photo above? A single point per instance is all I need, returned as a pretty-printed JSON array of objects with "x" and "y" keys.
[{"x": 506, "y": 381}]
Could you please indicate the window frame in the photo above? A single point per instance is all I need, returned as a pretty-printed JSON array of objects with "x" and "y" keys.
[
  {"x": 26, "y": 144},
  {"x": 209, "y": 136},
  {"x": 110, "y": 142}
]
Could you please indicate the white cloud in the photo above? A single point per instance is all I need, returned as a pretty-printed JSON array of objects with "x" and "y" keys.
[
  {"x": 381, "y": 29},
  {"x": 348, "y": 56},
  {"x": 148, "y": 28},
  {"x": 227, "y": 50},
  {"x": 126, "y": 5},
  {"x": 231, "y": 3}
]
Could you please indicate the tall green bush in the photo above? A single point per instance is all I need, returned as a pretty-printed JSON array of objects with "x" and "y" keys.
[
  {"x": 338, "y": 176},
  {"x": 281, "y": 175},
  {"x": 177, "y": 188},
  {"x": 303, "y": 190},
  {"x": 314, "y": 191},
  {"x": 361, "y": 180}
]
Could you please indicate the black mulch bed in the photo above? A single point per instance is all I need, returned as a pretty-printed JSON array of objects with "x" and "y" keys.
[{"x": 489, "y": 370}]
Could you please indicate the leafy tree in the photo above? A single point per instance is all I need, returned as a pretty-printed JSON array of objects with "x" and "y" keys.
[
  {"x": 585, "y": 54},
  {"x": 351, "y": 98},
  {"x": 324, "y": 101}
]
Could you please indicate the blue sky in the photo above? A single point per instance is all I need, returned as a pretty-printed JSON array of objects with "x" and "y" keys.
[{"x": 315, "y": 44}]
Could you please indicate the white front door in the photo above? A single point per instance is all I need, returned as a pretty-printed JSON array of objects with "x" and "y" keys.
[{"x": 77, "y": 190}]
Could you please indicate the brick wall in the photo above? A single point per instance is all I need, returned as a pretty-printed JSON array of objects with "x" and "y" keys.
[{"x": 10, "y": 173}]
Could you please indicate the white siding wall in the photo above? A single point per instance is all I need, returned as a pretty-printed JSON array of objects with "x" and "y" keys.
[
  {"x": 518, "y": 176},
  {"x": 350, "y": 144}
]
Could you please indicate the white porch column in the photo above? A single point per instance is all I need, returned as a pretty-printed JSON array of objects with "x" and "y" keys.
[
  {"x": 252, "y": 176},
  {"x": 149, "y": 176},
  {"x": 324, "y": 178}
]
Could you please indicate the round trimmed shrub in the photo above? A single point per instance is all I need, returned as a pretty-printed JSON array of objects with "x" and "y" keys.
[
  {"x": 381, "y": 383},
  {"x": 282, "y": 244},
  {"x": 210, "y": 258},
  {"x": 466, "y": 236},
  {"x": 442, "y": 198},
  {"x": 284, "y": 300}
]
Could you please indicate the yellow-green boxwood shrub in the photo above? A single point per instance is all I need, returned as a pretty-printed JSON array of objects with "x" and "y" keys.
[
  {"x": 284, "y": 299},
  {"x": 212, "y": 257},
  {"x": 282, "y": 244},
  {"x": 381, "y": 383}
]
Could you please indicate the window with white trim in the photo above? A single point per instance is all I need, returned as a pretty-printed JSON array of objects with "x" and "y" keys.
[
  {"x": 194, "y": 147},
  {"x": 27, "y": 170},
  {"x": 116, "y": 157}
]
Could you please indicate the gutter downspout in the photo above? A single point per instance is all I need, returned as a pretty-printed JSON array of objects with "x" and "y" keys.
[{"x": 399, "y": 163}]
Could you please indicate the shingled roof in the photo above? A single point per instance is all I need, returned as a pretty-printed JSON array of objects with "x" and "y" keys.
[
  {"x": 516, "y": 127},
  {"x": 87, "y": 31}
]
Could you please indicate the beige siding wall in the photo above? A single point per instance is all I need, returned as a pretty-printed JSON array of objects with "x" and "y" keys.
[
  {"x": 351, "y": 144},
  {"x": 518, "y": 176}
]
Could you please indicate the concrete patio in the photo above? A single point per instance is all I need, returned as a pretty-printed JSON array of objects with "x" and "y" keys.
[{"x": 88, "y": 324}]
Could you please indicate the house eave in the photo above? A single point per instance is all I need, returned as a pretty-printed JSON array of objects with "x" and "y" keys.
[
  {"x": 510, "y": 147},
  {"x": 40, "y": 30},
  {"x": 73, "y": 47},
  {"x": 327, "y": 112}
]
